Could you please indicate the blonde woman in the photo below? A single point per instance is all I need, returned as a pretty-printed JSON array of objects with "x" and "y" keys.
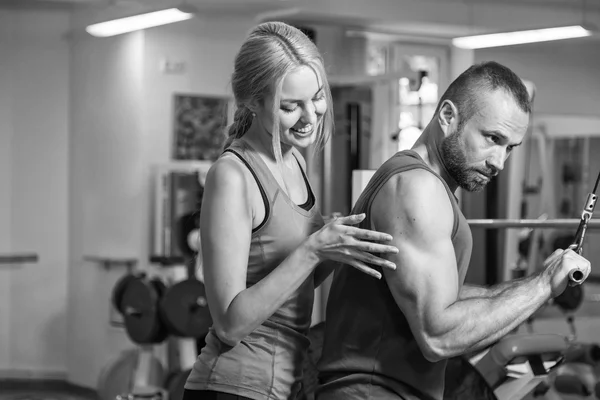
[{"x": 265, "y": 246}]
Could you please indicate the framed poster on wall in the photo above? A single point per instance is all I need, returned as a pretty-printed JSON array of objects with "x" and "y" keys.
[{"x": 199, "y": 126}]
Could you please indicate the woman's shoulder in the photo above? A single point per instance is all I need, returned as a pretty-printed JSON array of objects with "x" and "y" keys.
[{"x": 229, "y": 169}]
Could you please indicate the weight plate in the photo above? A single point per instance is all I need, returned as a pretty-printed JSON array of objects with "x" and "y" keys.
[
  {"x": 140, "y": 312},
  {"x": 184, "y": 309}
]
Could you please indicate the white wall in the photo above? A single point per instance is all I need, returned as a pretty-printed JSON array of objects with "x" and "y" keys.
[
  {"x": 34, "y": 72},
  {"x": 207, "y": 46},
  {"x": 565, "y": 73},
  {"x": 106, "y": 197},
  {"x": 121, "y": 123},
  {"x": 6, "y": 137}
]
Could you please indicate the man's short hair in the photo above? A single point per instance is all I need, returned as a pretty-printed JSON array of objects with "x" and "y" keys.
[{"x": 465, "y": 91}]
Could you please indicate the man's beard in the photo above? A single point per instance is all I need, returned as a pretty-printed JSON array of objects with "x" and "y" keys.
[{"x": 455, "y": 161}]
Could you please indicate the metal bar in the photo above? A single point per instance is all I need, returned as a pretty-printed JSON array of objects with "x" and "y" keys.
[
  {"x": 530, "y": 223},
  {"x": 18, "y": 258},
  {"x": 107, "y": 262}
]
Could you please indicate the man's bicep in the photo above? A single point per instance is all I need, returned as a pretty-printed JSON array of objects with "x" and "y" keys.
[
  {"x": 417, "y": 212},
  {"x": 424, "y": 283}
]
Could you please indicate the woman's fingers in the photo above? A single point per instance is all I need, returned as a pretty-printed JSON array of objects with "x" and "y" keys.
[
  {"x": 370, "y": 247},
  {"x": 366, "y": 234},
  {"x": 374, "y": 260},
  {"x": 366, "y": 269},
  {"x": 350, "y": 219},
  {"x": 368, "y": 258}
]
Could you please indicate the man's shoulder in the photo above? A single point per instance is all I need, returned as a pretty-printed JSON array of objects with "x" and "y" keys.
[
  {"x": 416, "y": 196},
  {"x": 414, "y": 183}
]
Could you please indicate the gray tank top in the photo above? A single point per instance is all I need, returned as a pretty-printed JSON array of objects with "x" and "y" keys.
[{"x": 267, "y": 364}]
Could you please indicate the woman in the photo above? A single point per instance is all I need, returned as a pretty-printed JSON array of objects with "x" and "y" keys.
[{"x": 262, "y": 234}]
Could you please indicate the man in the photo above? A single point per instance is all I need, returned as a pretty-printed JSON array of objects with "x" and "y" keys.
[{"x": 389, "y": 338}]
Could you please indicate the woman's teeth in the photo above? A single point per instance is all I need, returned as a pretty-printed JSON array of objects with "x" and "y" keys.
[{"x": 306, "y": 129}]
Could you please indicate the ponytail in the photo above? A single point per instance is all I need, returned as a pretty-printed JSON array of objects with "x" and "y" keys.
[{"x": 242, "y": 119}]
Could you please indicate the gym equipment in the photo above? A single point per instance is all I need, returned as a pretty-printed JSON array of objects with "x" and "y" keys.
[
  {"x": 185, "y": 312},
  {"x": 17, "y": 258},
  {"x": 587, "y": 213},
  {"x": 463, "y": 381},
  {"x": 466, "y": 380},
  {"x": 175, "y": 384},
  {"x": 530, "y": 223},
  {"x": 143, "y": 386},
  {"x": 139, "y": 305},
  {"x": 152, "y": 312},
  {"x": 541, "y": 366},
  {"x": 178, "y": 189},
  {"x": 114, "y": 377},
  {"x": 575, "y": 276},
  {"x": 532, "y": 348},
  {"x": 119, "y": 290},
  {"x": 182, "y": 356},
  {"x": 577, "y": 374},
  {"x": 570, "y": 299},
  {"x": 184, "y": 309},
  {"x": 122, "y": 374}
]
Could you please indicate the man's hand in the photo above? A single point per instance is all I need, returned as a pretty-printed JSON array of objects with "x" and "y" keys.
[{"x": 560, "y": 264}]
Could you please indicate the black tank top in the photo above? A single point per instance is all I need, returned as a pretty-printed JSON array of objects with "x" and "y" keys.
[{"x": 369, "y": 351}]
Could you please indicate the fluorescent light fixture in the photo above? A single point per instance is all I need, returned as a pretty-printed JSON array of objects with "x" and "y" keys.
[
  {"x": 520, "y": 37},
  {"x": 137, "y": 22}
]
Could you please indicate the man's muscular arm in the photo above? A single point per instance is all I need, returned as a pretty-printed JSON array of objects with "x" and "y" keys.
[
  {"x": 469, "y": 291},
  {"x": 415, "y": 209}
]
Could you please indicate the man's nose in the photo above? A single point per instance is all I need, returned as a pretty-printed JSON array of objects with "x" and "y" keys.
[{"x": 496, "y": 162}]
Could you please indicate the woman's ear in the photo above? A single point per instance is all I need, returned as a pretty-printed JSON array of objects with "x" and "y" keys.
[{"x": 255, "y": 105}]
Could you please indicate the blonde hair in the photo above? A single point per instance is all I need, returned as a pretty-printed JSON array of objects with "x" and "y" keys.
[{"x": 270, "y": 52}]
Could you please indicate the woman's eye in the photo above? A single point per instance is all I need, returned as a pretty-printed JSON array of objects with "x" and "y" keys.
[{"x": 288, "y": 110}]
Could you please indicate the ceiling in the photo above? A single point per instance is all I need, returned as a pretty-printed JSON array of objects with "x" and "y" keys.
[
  {"x": 434, "y": 18},
  {"x": 587, "y": 4}
]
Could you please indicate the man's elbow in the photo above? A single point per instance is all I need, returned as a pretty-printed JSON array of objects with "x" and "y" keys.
[
  {"x": 432, "y": 354},
  {"x": 435, "y": 349}
]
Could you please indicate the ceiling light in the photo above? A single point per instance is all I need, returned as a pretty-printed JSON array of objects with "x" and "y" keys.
[
  {"x": 141, "y": 21},
  {"x": 520, "y": 37}
]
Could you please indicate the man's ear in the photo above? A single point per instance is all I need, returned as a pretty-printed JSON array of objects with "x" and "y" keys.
[{"x": 447, "y": 115}]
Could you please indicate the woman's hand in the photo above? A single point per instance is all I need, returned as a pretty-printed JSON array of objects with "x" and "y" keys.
[{"x": 339, "y": 241}]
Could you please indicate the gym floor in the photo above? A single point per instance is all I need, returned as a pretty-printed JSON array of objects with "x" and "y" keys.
[
  {"x": 53, "y": 395},
  {"x": 43, "y": 391}
]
